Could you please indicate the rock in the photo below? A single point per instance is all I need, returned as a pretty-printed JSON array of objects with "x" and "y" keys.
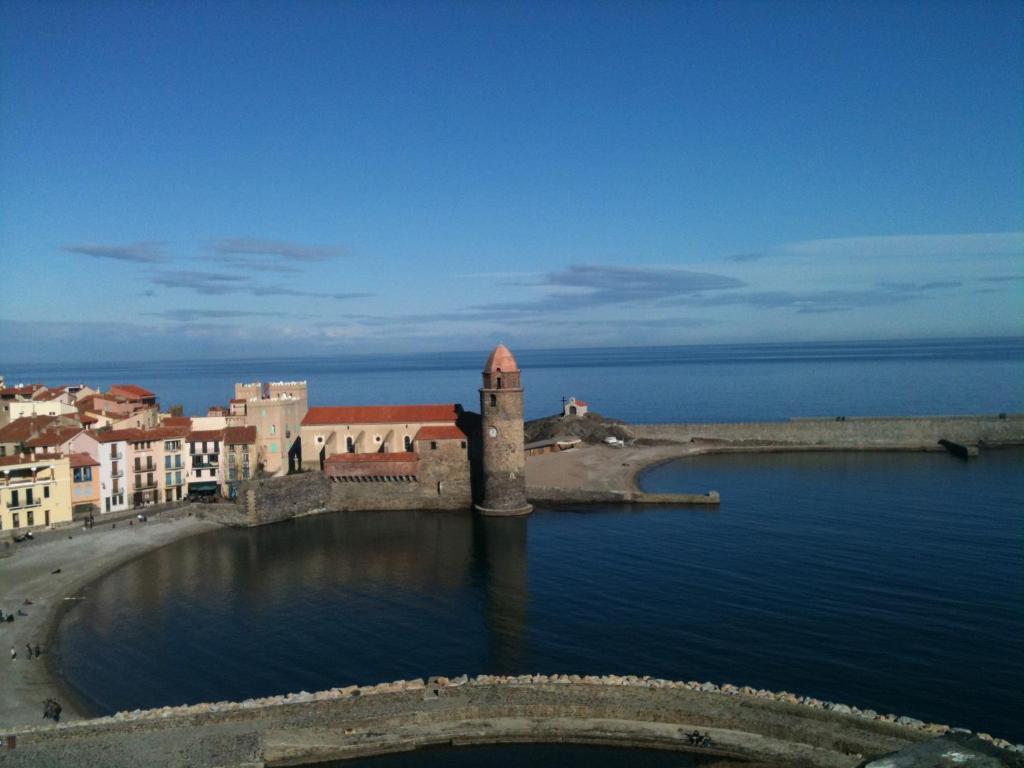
[
  {"x": 840, "y": 709},
  {"x": 911, "y": 721}
]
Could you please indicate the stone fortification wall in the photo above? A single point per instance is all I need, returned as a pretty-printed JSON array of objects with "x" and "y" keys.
[
  {"x": 744, "y": 723},
  {"x": 553, "y": 495},
  {"x": 443, "y": 482},
  {"x": 849, "y": 433},
  {"x": 270, "y": 500}
]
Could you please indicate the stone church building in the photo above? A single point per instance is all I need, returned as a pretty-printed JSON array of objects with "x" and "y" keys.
[{"x": 434, "y": 456}]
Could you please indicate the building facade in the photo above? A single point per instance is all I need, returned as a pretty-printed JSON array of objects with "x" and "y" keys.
[
  {"x": 276, "y": 410},
  {"x": 331, "y": 430},
  {"x": 35, "y": 492}
]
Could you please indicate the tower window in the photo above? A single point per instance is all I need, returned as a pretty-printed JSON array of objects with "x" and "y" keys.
[
  {"x": 433, "y": 445},
  {"x": 499, "y": 382},
  {"x": 494, "y": 400}
]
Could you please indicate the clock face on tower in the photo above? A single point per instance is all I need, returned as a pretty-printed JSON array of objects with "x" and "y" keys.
[{"x": 492, "y": 432}]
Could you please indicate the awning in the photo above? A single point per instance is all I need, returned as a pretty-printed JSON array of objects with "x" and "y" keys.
[{"x": 209, "y": 486}]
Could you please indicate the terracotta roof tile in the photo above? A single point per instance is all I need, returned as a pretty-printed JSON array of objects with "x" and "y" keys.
[
  {"x": 206, "y": 435},
  {"x": 83, "y": 460},
  {"x": 440, "y": 433},
  {"x": 239, "y": 435},
  {"x": 178, "y": 421},
  {"x": 54, "y": 437},
  {"x": 501, "y": 359},
  {"x": 116, "y": 435},
  {"x": 25, "y": 428},
  {"x": 358, "y": 458},
  {"x": 131, "y": 390},
  {"x": 381, "y": 414}
]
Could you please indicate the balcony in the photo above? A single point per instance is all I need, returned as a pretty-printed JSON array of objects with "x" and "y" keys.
[
  {"x": 146, "y": 468},
  {"x": 25, "y": 504},
  {"x": 174, "y": 483},
  {"x": 116, "y": 455},
  {"x": 205, "y": 464},
  {"x": 145, "y": 486}
]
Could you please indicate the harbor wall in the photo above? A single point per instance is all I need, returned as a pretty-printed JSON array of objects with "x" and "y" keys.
[
  {"x": 744, "y": 723},
  {"x": 922, "y": 433}
]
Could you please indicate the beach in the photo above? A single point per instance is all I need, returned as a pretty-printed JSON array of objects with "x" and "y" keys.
[{"x": 27, "y": 573}]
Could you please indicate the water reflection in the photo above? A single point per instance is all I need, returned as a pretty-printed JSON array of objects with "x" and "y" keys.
[{"x": 500, "y": 548}]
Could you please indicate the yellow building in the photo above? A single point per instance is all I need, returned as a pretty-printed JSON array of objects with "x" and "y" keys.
[{"x": 35, "y": 492}]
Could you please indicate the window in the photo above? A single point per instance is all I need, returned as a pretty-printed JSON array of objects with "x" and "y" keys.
[
  {"x": 14, "y": 502},
  {"x": 494, "y": 400},
  {"x": 46, "y": 491},
  {"x": 408, "y": 443},
  {"x": 31, "y": 518},
  {"x": 14, "y": 520},
  {"x": 83, "y": 474},
  {"x": 273, "y": 447},
  {"x": 433, "y": 445},
  {"x": 167, "y": 462},
  {"x": 167, "y": 478},
  {"x": 273, "y": 429},
  {"x": 462, "y": 444},
  {"x": 28, "y": 496}
]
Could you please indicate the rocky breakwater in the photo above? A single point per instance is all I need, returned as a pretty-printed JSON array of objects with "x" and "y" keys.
[{"x": 743, "y": 723}]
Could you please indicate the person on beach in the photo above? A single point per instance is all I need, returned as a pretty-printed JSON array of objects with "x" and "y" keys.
[
  {"x": 14, "y": 653},
  {"x": 29, "y": 647}
]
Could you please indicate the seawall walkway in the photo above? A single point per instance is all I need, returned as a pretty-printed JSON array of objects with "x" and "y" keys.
[{"x": 744, "y": 724}]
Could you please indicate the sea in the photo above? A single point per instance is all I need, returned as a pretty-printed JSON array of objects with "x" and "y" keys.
[
  {"x": 719, "y": 383},
  {"x": 890, "y": 581}
]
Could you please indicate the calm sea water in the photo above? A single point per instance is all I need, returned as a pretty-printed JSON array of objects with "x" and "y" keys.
[
  {"x": 890, "y": 581},
  {"x": 642, "y": 384}
]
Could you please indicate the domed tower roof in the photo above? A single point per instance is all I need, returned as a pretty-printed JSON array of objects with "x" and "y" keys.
[{"x": 501, "y": 359}]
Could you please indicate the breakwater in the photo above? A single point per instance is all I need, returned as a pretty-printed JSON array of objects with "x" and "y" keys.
[
  {"x": 555, "y": 496},
  {"x": 841, "y": 433},
  {"x": 775, "y": 728}
]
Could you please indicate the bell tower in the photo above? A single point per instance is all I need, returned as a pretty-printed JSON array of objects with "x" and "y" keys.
[{"x": 503, "y": 457}]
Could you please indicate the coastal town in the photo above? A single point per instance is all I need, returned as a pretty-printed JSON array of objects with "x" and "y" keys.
[{"x": 72, "y": 454}]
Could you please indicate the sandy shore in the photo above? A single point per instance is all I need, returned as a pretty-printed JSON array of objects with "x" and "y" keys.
[
  {"x": 601, "y": 467},
  {"x": 26, "y": 574}
]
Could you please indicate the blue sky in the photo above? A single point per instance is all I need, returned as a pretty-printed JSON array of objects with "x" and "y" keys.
[{"x": 222, "y": 179}]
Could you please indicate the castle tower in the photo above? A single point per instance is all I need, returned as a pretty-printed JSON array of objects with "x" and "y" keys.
[{"x": 501, "y": 416}]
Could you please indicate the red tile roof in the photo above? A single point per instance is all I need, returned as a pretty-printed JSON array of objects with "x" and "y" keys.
[
  {"x": 238, "y": 400},
  {"x": 25, "y": 428},
  {"x": 345, "y": 458},
  {"x": 27, "y": 389},
  {"x": 54, "y": 437},
  {"x": 131, "y": 390},
  {"x": 381, "y": 414},
  {"x": 447, "y": 432},
  {"x": 238, "y": 435},
  {"x": 165, "y": 432},
  {"x": 116, "y": 435},
  {"x": 205, "y": 435},
  {"x": 7, "y": 461},
  {"x": 177, "y": 421},
  {"x": 83, "y": 460}
]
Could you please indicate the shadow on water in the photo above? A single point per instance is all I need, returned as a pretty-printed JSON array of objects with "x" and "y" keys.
[{"x": 889, "y": 581}]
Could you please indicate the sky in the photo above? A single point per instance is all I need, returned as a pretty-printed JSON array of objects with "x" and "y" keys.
[{"x": 186, "y": 179}]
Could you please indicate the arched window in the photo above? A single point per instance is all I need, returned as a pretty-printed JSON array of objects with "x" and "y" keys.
[
  {"x": 350, "y": 444},
  {"x": 408, "y": 443}
]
